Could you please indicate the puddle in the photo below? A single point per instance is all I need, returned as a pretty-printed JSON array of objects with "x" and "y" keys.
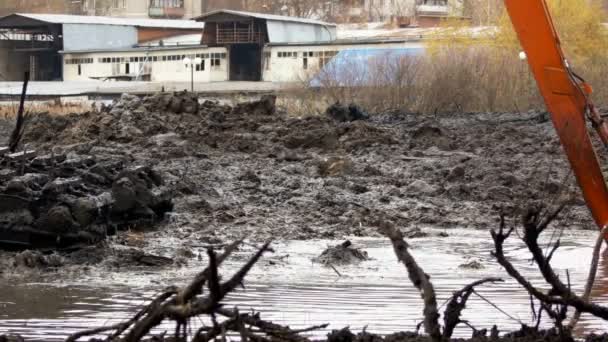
[{"x": 292, "y": 290}]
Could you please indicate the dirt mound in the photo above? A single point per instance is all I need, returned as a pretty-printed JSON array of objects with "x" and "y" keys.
[
  {"x": 319, "y": 177},
  {"x": 59, "y": 200}
]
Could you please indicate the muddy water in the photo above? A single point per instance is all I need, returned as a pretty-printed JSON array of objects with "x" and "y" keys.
[{"x": 288, "y": 288}]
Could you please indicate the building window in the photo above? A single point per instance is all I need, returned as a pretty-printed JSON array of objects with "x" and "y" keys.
[
  {"x": 167, "y": 3},
  {"x": 73, "y": 61},
  {"x": 201, "y": 67},
  {"x": 79, "y": 69},
  {"x": 119, "y": 4},
  {"x": 305, "y": 63},
  {"x": 326, "y": 56},
  {"x": 215, "y": 62}
]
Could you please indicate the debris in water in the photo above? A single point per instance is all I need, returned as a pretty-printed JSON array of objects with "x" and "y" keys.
[{"x": 342, "y": 254}]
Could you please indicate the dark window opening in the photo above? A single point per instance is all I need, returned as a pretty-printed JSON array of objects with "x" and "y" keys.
[
  {"x": 305, "y": 65},
  {"x": 79, "y": 69},
  {"x": 245, "y": 62},
  {"x": 127, "y": 68}
]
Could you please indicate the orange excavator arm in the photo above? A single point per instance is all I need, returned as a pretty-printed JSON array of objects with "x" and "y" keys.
[{"x": 566, "y": 98}]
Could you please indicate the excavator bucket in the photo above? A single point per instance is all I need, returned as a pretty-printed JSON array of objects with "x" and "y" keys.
[{"x": 564, "y": 97}]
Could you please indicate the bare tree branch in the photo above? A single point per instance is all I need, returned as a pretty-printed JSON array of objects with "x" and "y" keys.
[
  {"x": 451, "y": 316},
  {"x": 592, "y": 273},
  {"x": 560, "y": 294},
  {"x": 417, "y": 277}
]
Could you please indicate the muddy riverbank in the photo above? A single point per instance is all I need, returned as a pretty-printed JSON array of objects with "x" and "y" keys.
[{"x": 253, "y": 170}]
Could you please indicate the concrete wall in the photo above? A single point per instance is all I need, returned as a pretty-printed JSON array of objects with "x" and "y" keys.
[
  {"x": 274, "y": 68},
  {"x": 160, "y": 71},
  {"x": 88, "y": 37}
]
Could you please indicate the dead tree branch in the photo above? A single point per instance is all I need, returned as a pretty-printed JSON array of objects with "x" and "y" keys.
[
  {"x": 451, "y": 317},
  {"x": 119, "y": 328},
  {"x": 182, "y": 305},
  {"x": 592, "y": 273},
  {"x": 418, "y": 278},
  {"x": 560, "y": 294},
  {"x": 180, "y": 311},
  {"x": 19, "y": 129}
]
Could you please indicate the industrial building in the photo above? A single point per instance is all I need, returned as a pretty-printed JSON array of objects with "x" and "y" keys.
[
  {"x": 35, "y": 42},
  {"x": 232, "y": 46}
]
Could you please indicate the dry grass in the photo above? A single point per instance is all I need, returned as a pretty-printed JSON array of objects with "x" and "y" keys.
[
  {"x": 452, "y": 79},
  {"x": 8, "y": 110}
]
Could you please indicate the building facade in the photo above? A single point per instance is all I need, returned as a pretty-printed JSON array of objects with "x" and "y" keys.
[
  {"x": 34, "y": 42},
  {"x": 235, "y": 46},
  {"x": 41, "y": 6},
  {"x": 284, "y": 63},
  {"x": 158, "y": 9}
]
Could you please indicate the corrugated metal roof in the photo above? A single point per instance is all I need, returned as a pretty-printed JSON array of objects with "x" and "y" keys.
[
  {"x": 139, "y": 49},
  {"x": 265, "y": 17},
  {"x": 94, "y": 20}
]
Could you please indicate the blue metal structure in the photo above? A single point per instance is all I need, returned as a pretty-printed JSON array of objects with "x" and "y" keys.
[{"x": 359, "y": 67}]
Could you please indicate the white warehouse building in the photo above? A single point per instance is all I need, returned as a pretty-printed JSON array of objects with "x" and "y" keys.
[{"x": 234, "y": 46}]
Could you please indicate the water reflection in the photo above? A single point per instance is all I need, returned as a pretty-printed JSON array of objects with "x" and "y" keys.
[{"x": 299, "y": 293}]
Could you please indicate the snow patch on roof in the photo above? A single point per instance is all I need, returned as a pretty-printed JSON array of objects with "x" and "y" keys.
[{"x": 264, "y": 16}]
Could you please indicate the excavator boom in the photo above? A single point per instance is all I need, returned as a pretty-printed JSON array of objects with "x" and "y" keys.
[{"x": 566, "y": 99}]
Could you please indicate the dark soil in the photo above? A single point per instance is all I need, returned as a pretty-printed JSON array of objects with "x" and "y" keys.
[
  {"x": 255, "y": 171},
  {"x": 252, "y": 170}
]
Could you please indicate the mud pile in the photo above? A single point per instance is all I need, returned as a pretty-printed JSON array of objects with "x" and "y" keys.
[
  {"x": 252, "y": 169},
  {"x": 64, "y": 199}
]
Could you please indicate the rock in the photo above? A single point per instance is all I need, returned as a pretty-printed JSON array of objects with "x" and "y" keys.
[
  {"x": 420, "y": 187},
  {"x": 416, "y": 233},
  {"x": 359, "y": 188},
  {"x": 6, "y": 174},
  {"x": 85, "y": 211},
  {"x": 473, "y": 264},
  {"x": 60, "y": 185},
  {"x": 124, "y": 195},
  {"x": 190, "y": 105},
  {"x": 15, "y": 186},
  {"x": 342, "y": 113},
  {"x": 334, "y": 166},
  {"x": 498, "y": 193},
  {"x": 342, "y": 254},
  {"x": 184, "y": 252},
  {"x": 457, "y": 173},
  {"x": 59, "y": 219},
  {"x": 167, "y": 139},
  {"x": 34, "y": 259},
  {"x": 265, "y": 106}
]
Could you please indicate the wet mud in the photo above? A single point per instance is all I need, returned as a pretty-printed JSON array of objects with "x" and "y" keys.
[{"x": 253, "y": 170}]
